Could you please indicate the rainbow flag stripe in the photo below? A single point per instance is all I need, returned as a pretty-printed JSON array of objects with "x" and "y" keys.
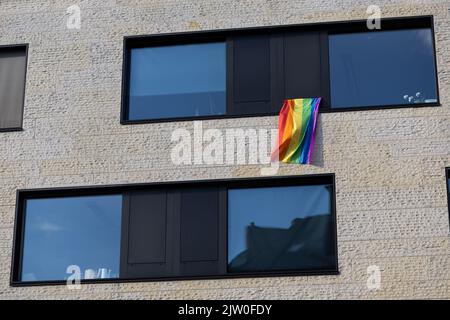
[{"x": 296, "y": 130}]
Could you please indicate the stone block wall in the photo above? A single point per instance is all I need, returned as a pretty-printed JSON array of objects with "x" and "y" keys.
[{"x": 389, "y": 164}]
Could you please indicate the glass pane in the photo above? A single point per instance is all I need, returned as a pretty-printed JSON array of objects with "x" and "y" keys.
[
  {"x": 177, "y": 81},
  {"x": 282, "y": 228},
  {"x": 449, "y": 183},
  {"x": 382, "y": 68},
  {"x": 82, "y": 231},
  {"x": 12, "y": 83}
]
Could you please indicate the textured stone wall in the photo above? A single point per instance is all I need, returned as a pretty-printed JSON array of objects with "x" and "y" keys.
[{"x": 389, "y": 164}]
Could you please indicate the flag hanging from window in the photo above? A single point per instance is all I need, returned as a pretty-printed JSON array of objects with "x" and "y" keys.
[{"x": 296, "y": 131}]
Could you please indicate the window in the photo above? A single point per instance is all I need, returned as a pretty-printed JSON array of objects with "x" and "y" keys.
[
  {"x": 383, "y": 68},
  {"x": 13, "y": 61},
  {"x": 297, "y": 237},
  {"x": 177, "y": 81},
  {"x": 81, "y": 231},
  {"x": 184, "y": 230},
  {"x": 448, "y": 189},
  {"x": 249, "y": 72}
]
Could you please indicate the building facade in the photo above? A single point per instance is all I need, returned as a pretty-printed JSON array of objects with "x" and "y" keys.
[{"x": 383, "y": 168}]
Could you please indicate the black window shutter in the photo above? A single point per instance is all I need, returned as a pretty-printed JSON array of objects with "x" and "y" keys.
[
  {"x": 306, "y": 66},
  {"x": 250, "y": 72},
  {"x": 263, "y": 70},
  {"x": 176, "y": 232},
  {"x": 277, "y": 72},
  {"x": 202, "y": 232},
  {"x": 145, "y": 242}
]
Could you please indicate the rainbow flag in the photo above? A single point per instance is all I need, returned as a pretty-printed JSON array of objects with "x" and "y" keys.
[{"x": 296, "y": 130}]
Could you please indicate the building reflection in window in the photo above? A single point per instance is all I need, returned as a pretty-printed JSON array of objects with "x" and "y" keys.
[{"x": 282, "y": 228}]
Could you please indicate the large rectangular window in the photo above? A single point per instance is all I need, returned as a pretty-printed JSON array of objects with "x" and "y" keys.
[
  {"x": 177, "y": 81},
  {"x": 13, "y": 64},
  {"x": 71, "y": 231},
  {"x": 283, "y": 226},
  {"x": 394, "y": 67},
  {"x": 249, "y": 72},
  {"x": 298, "y": 237}
]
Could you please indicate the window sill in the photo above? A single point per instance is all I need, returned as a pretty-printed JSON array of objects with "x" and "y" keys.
[
  {"x": 187, "y": 278},
  {"x": 271, "y": 114},
  {"x": 212, "y": 117},
  {"x": 11, "y": 129},
  {"x": 385, "y": 107}
]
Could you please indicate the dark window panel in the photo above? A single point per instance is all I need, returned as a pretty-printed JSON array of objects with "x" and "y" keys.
[
  {"x": 448, "y": 190},
  {"x": 13, "y": 61},
  {"x": 199, "y": 225},
  {"x": 277, "y": 71},
  {"x": 147, "y": 227},
  {"x": 251, "y": 75},
  {"x": 145, "y": 221},
  {"x": 251, "y": 68},
  {"x": 302, "y": 65},
  {"x": 324, "y": 73}
]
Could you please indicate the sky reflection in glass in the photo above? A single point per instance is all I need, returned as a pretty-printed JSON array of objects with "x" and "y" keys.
[
  {"x": 82, "y": 231},
  {"x": 380, "y": 68},
  {"x": 177, "y": 81}
]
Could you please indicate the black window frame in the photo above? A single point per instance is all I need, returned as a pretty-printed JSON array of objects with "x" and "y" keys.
[
  {"x": 447, "y": 182},
  {"x": 18, "y": 47},
  {"x": 227, "y": 35},
  {"x": 223, "y": 184}
]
